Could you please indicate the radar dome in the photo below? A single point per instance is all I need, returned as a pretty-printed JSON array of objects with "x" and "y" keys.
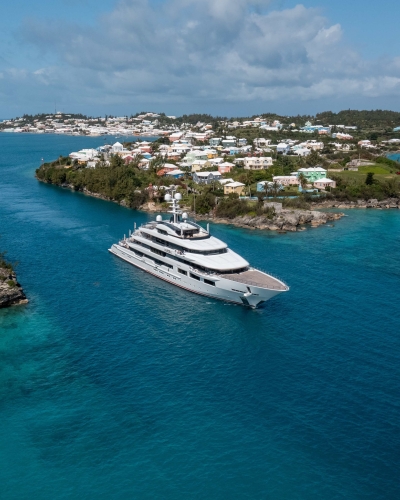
[
  {"x": 167, "y": 197},
  {"x": 184, "y": 215},
  {"x": 178, "y": 196},
  {"x": 159, "y": 218}
]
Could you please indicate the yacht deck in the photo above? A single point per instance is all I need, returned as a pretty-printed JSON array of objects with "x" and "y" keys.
[{"x": 256, "y": 278}]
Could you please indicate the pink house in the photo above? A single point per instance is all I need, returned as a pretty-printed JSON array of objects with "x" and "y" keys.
[
  {"x": 286, "y": 180},
  {"x": 324, "y": 183},
  {"x": 225, "y": 168}
]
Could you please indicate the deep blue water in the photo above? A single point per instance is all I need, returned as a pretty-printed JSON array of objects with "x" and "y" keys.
[{"x": 116, "y": 385}]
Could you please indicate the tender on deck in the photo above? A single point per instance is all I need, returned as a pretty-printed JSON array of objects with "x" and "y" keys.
[{"x": 256, "y": 278}]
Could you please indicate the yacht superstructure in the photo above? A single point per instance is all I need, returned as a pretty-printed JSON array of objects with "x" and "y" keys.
[{"x": 185, "y": 254}]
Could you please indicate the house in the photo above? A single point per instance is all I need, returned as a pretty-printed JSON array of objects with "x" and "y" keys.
[
  {"x": 225, "y": 181},
  {"x": 84, "y": 155},
  {"x": 312, "y": 174},
  {"x": 233, "y": 150},
  {"x": 215, "y": 141},
  {"x": 225, "y": 167},
  {"x": 176, "y": 174},
  {"x": 175, "y": 136},
  {"x": 211, "y": 153},
  {"x": 229, "y": 142},
  {"x": 242, "y": 142},
  {"x": 206, "y": 177},
  {"x": 286, "y": 180},
  {"x": 301, "y": 151},
  {"x": 117, "y": 148},
  {"x": 283, "y": 148},
  {"x": 261, "y": 142},
  {"x": 324, "y": 183},
  {"x": 197, "y": 165},
  {"x": 257, "y": 163},
  {"x": 195, "y": 155},
  {"x": 234, "y": 187}
]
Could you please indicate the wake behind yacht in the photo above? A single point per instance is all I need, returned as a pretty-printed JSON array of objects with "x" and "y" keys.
[{"x": 185, "y": 254}]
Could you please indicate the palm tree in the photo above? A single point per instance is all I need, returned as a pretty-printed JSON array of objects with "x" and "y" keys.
[
  {"x": 302, "y": 180},
  {"x": 276, "y": 187}
]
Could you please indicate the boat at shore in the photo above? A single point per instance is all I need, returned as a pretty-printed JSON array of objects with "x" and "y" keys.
[{"x": 181, "y": 252}]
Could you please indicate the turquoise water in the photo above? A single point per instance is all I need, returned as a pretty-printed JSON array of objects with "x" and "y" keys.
[
  {"x": 117, "y": 385},
  {"x": 394, "y": 156}
]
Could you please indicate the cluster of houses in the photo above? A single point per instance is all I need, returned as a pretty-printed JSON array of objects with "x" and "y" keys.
[
  {"x": 146, "y": 124},
  {"x": 207, "y": 164}
]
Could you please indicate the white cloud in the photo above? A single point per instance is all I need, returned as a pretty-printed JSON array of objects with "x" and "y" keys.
[{"x": 205, "y": 51}]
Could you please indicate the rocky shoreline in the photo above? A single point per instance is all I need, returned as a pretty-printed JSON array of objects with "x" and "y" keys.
[
  {"x": 11, "y": 292},
  {"x": 283, "y": 221},
  {"x": 372, "y": 203}
]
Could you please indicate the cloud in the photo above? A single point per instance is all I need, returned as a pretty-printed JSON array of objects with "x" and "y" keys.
[{"x": 204, "y": 51}]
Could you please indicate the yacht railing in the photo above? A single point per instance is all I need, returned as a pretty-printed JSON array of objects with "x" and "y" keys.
[{"x": 270, "y": 274}]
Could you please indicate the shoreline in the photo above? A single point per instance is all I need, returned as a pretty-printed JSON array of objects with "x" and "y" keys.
[
  {"x": 293, "y": 220},
  {"x": 284, "y": 220},
  {"x": 11, "y": 292}
]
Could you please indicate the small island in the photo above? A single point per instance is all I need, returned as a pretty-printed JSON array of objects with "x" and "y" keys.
[{"x": 11, "y": 292}]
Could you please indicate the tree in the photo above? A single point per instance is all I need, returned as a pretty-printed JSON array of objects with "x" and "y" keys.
[
  {"x": 303, "y": 180},
  {"x": 370, "y": 179},
  {"x": 313, "y": 159}
]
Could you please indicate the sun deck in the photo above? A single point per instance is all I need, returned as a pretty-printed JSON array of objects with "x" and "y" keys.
[{"x": 256, "y": 278}]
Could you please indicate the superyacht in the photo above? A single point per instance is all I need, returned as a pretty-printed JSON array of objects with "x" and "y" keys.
[{"x": 185, "y": 254}]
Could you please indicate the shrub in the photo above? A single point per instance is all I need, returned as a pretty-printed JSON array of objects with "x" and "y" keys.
[
  {"x": 11, "y": 283},
  {"x": 232, "y": 207}
]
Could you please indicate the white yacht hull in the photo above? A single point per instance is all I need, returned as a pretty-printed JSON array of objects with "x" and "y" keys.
[{"x": 223, "y": 289}]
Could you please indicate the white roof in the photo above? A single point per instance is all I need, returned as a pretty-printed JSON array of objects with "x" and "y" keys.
[
  {"x": 325, "y": 179},
  {"x": 312, "y": 169},
  {"x": 206, "y": 174},
  {"x": 234, "y": 184},
  {"x": 175, "y": 172}
]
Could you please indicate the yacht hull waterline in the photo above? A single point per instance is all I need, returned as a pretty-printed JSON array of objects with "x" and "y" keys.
[{"x": 184, "y": 254}]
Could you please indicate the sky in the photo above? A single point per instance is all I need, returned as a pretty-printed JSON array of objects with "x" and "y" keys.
[{"x": 223, "y": 57}]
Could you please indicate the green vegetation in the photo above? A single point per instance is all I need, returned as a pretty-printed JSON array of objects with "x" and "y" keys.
[
  {"x": 353, "y": 188},
  {"x": 4, "y": 264},
  {"x": 116, "y": 182},
  {"x": 232, "y": 207},
  {"x": 370, "y": 179}
]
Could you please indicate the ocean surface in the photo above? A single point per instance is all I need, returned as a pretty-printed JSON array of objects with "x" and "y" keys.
[
  {"x": 117, "y": 385},
  {"x": 394, "y": 156}
]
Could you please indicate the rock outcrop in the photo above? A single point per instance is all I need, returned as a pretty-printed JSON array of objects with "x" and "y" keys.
[
  {"x": 284, "y": 220},
  {"x": 372, "y": 203},
  {"x": 11, "y": 292}
]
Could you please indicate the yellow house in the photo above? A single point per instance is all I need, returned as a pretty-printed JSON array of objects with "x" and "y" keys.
[
  {"x": 211, "y": 154},
  {"x": 234, "y": 187},
  {"x": 197, "y": 165}
]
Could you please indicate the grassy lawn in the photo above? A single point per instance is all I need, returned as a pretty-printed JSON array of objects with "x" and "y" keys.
[{"x": 381, "y": 173}]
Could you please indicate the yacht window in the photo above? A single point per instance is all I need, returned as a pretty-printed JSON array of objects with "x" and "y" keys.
[
  {"x": 195, "y": 277},
  {"x": 182, "y": 271},
  {"x": 158, "y": 252},
  {"x": 209, "y": 282},
  {"x": 161, "y": 231}
]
